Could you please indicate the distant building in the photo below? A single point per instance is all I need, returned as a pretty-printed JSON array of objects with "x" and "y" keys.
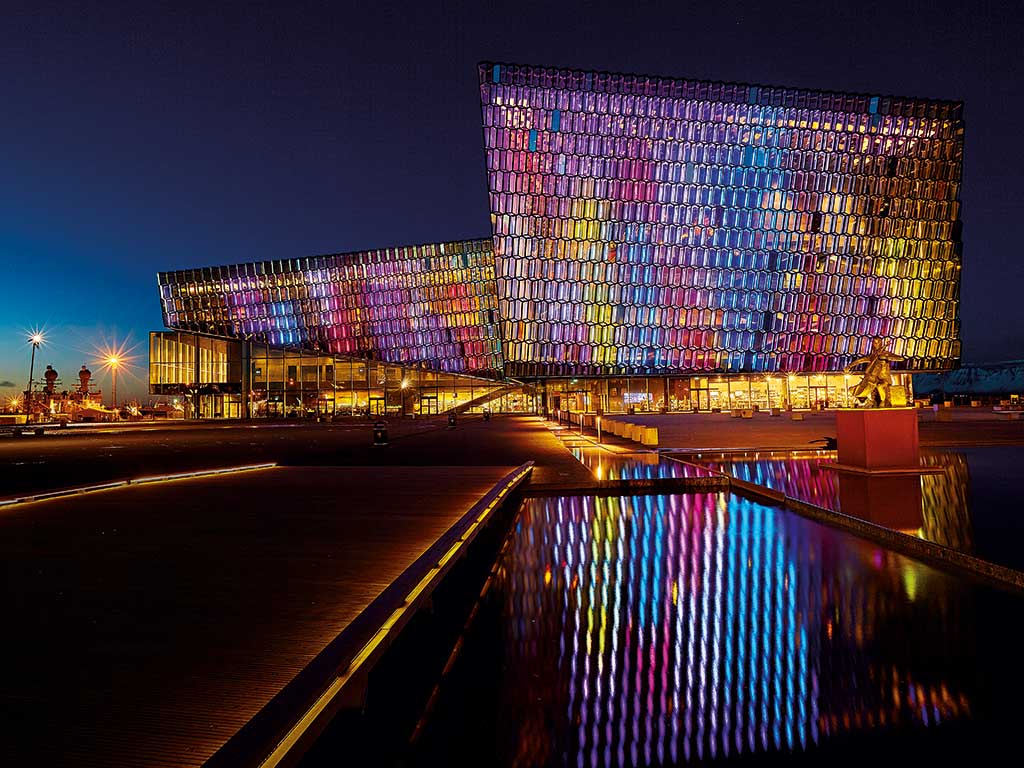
[{"x": 992, "y": 380}]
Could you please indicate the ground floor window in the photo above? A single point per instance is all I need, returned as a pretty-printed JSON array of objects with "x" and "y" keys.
[
  {"x": 212, "y": 377},
  {"x": 641, "y": 394}
]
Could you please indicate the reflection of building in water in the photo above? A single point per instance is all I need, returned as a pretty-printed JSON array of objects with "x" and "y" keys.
[
  {"x": 804, "y": 475},
  {"x": 677, "y": 628},
  {"x": 642, "y": 465},
  {"x": 947, "y": 518}
]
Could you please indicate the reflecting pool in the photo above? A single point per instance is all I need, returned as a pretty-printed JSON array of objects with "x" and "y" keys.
[
  {"x": 642, "y": 465},
  {"x": 661, "y": 630},
  {"x": 967, "y": 498}
]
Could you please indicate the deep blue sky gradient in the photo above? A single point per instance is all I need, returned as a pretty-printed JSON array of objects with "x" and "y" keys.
[{"x": 138, "y": 137}]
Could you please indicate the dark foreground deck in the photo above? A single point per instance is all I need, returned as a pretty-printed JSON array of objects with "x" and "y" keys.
[{"x": 148, "y": 625}]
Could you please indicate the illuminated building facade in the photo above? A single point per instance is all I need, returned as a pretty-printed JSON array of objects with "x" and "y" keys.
[
  {"x": 656, "y": 244},
  {"x": 411, "y": 329},
  {"x": 431, "y": 305},
  {"x": 647, "y": 226}
]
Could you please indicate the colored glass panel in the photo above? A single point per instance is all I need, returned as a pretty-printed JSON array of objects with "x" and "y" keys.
[
  {"x": 428, "y": 305},
  {"x": 648, "y": 225}
]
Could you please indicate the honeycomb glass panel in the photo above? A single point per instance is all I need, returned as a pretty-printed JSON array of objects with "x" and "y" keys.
[
  {"x": 774, "y": 226},
  {"x": 432, "y": 306}
]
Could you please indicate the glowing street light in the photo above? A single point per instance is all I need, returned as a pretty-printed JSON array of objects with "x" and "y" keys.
[
  {"x": 35, "y": 340},
  {"x": 113, "y": 362}
]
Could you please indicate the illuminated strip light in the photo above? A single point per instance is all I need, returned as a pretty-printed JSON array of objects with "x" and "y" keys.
[
  {"x": 68, "y": 492},
  {"x": 395, "y": 621},
  {"x": 62, "y": 493},
  {"x": 199, "y": 473}
]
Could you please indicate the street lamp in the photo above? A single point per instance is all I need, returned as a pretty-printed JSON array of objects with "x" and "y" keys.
[
  {"x": 114, "y": 361},
  {"x": 35, "y": 340}
]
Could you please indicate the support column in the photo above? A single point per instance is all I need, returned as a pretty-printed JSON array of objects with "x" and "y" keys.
[
  {"x": 247, "y": 378},
  {"x": 195, "y": 376}
]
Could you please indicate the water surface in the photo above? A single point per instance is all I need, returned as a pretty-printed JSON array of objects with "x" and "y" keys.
[
  {"x": 664, "y": 630},
  {"x": 967, "y": 498}
]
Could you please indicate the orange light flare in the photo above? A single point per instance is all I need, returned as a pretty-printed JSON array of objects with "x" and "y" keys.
[{"x": 109, "y": 357}]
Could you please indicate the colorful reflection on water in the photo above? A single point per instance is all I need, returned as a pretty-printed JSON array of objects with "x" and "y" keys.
[
  {"x": 660, "y": 630},
  {"x": 932, "y": 506},
  {"x": 642, "y": 465}
]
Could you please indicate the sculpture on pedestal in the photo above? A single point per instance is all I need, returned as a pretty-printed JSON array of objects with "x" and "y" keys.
[{"x": 876, "y": 384}]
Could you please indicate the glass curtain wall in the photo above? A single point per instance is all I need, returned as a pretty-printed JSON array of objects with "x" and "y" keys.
[
  {"x": 652, "y": 394},
  {"x": 230, "y": 378},
  {"x": 646, "y": 225}
]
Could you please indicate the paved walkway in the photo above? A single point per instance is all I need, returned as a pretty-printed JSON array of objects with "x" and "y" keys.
[
  {"x": 146, "y": 625},
  {"x": 31, "y": 464}
]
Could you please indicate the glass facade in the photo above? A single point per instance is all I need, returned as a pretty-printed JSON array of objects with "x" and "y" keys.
[
  {"x": 432, "y": 306},
  {"x": 656, "y": 244},
  {"x": 232, "y": 378},
  {"x": 646, "y": 394},
  {"x": 646, "y": 225}
]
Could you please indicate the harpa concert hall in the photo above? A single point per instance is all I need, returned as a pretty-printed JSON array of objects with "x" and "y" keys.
[{"x": 655, "y": 244}]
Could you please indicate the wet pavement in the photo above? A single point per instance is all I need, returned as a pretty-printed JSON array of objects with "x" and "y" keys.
[{"x": 34, "y": 464}]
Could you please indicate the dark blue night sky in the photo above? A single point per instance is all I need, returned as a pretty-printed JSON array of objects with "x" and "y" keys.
[{"x": 143, "y": 137}]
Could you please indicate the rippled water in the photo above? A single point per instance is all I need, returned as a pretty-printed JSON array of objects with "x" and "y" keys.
[{"x": 655, "y": 630}]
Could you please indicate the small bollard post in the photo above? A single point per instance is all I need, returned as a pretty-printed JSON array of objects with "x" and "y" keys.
[
  {"x": 380, "y": 432},
  {"x": 487, "y": 414},
  {"x": 451, "y": 419}
]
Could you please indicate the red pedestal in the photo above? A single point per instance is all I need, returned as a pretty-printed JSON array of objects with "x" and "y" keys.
[{"x": 878, "y": 438}]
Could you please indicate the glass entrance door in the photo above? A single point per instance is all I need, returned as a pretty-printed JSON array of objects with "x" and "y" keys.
[
  {"x": 703, "y": 401},
  {"x": 819, "y": 396}
]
